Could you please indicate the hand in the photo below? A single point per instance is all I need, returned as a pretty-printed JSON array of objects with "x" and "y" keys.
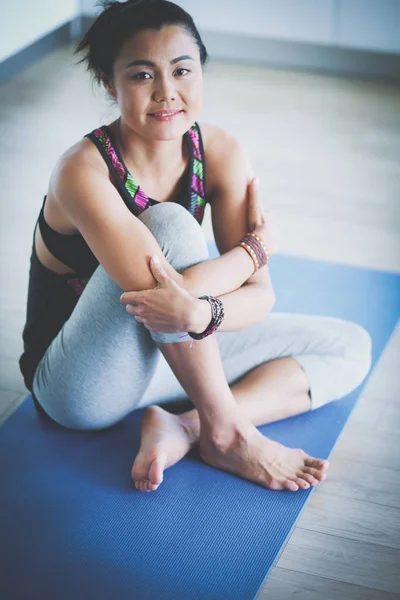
[
  {"x": 261, "y": 222},
  {"x": 167, "y": 308}
]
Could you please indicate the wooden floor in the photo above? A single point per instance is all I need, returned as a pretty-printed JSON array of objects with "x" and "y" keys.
[{"x": 327, "y": 150}]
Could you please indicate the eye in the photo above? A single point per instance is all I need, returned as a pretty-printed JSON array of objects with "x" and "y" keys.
[
  {"x": 143, "y": 76},
  {"x": 179, "y": 72}
]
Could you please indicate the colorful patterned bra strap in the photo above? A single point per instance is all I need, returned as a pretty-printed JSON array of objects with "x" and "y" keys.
[
  {"x": 197, "y": 190},
  {"x": 77, "y": 284},
  {"x": 130, "y": 188}
]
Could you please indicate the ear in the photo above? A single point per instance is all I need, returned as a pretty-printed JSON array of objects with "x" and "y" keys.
[{"x": 108, "y": 85}]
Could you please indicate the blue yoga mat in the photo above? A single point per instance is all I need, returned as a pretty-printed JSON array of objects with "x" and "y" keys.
[{"x": 73, "y": 526}]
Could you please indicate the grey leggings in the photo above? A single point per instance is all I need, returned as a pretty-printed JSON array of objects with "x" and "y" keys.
[{"x": 103, "y": 364}]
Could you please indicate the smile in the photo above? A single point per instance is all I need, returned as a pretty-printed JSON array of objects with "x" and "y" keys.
[{"x": 165, "y": 116}]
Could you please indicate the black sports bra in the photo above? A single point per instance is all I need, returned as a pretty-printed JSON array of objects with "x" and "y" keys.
[{"x": 73, "y": 250}]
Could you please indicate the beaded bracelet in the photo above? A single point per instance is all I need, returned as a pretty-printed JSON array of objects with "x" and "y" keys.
[
  {"x": 255, "y": 247},
  {"x": 217, "y": 309},
  {"x": 259, "y": 247}
]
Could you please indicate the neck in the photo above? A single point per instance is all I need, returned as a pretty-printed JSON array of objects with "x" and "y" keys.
[{"x": 145, "y": 154}]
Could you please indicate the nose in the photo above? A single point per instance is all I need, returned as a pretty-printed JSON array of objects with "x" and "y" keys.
[{"x": 164, "y": 90}]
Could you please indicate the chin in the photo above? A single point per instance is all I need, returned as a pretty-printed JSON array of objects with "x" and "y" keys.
[{"x": 168, "y": 131}]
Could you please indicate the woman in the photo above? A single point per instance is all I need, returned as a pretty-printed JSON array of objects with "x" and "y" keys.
[{"x": 101, "y": 232}]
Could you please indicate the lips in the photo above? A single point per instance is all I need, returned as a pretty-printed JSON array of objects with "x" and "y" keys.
[
  {"x": 165, "y": 116},
  {"x": 165, "y": 113}
]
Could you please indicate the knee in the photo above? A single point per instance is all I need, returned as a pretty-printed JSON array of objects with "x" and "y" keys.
[
  {"x": 67, "y": 417},
  {"x": 354, "y": 360},
  {"x": 179, "y": 235},
  {"x": 358, "y": 350},
  {"x": 81, "y": 405},
  {"x": 342, "y": 367}
]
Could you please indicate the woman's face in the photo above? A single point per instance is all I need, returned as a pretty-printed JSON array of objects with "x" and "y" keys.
[{"x": 158, "y": 82}]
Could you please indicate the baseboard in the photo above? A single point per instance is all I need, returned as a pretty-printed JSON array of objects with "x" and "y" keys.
[
  {"x": 302, "y": 56},
  {"x": 21, "y": 60}
]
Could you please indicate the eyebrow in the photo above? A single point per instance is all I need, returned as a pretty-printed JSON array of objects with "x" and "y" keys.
[{"x": 149, "y": 63}]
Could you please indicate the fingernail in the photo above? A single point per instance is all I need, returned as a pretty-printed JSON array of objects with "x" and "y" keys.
[
  {"x": 156, "y": 260},
  {"x": 257, "y": 180}
]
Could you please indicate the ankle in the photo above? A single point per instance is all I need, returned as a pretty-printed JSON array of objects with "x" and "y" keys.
[
  {"x": 224, "y": 433},
  {"x": 191, "y": 423}
]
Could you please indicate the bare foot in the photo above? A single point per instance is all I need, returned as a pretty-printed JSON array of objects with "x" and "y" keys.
[
  {"x": 165, "y": 439},
  {"x": 252, "y": 456}
]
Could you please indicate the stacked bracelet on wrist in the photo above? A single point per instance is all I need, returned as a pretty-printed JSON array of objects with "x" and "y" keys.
[
  {"x": 254, "y": 245},
  {"x": 218, "y": 314}
]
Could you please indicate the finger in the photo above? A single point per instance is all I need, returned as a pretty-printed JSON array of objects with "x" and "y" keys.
[
  {"x": 132, "y": 308},
  {"x": 129, "y": 297},
  {"x": 145, "y": 324},
  {"x": 159, "y": 273}
]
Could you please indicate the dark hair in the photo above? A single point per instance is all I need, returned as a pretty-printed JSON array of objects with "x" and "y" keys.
[{"x": 119, "y": 21}]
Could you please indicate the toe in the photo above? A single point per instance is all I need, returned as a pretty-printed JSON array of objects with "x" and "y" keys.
[
  {"x": 291, "y": 485},
  {"x": 317, "y": 463},
  {"x": 302, "y": 483},
  {"x": 148, "y": 487},
  {"x": 156, "y": 471},
  {"x": 152, "y": 486},
  {"x": 309, "y": 478},
  {"x": 316, "y": 473}
]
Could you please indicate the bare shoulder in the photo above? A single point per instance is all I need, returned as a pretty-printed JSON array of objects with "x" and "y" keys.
[
  {"x": 74, "y": 162},
  {"x": 225, "y": 157},
  {"x": 79, "y": 163},
  {"x": 218, "y": 141}
]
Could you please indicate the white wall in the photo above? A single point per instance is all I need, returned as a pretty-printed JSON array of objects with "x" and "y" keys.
[
  {"x": 363, "y": 24},
  {"x": 88, "y": 7},
  {"x": 25, "y": 21},
  {"x": 372, "y": 24},
  {"x": 296, "y": 20},
  {"x": 285, "y": 19}
]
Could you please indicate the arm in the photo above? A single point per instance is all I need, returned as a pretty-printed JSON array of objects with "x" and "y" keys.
[
  {"x": 235, "y": 210},
  {"x": 85, "y": 194},
  {"x": 87, "y": 197},
  {"x": 231, "y": 171}
]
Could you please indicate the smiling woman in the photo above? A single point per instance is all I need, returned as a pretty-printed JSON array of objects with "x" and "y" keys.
[{"x": 123, "y": 215}]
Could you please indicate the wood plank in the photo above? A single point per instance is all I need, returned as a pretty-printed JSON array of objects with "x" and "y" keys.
[
  {"x": 283, "y": 584},
  {"x": 369, "y": 446},
  {"x": 12, "y": 407},
  {"x": 389, "y": 420},
  {"x": 7, "y": 399},
  {"x": 384, "y": 381},
  {"x": 349, "y": 561},
  {"x": 352, "y": 519},
  {"x": 368, "y": 410},
  {"x": 349, "y": 479}
]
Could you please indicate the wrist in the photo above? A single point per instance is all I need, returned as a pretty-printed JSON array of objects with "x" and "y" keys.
[
  {"x": 245, "y": 258},
  {"x": 200, "y": 317}
]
